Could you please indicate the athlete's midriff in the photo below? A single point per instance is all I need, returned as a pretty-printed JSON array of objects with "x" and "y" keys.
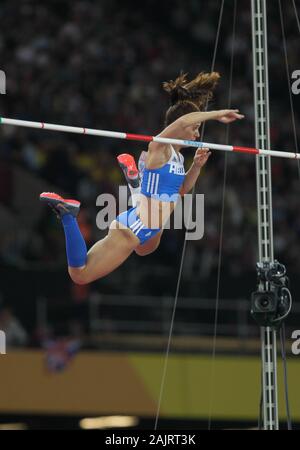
[{"x": 154, "y": 213}]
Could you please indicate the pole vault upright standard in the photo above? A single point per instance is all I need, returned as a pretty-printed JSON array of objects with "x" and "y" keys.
[{"x": 141, "y": 137}]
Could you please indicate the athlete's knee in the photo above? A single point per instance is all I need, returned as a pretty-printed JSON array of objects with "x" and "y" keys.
[
  {"x": 146, "y": 250},
  {"x": 142, "y": 252},
  {"x": 79, "y": 276}
]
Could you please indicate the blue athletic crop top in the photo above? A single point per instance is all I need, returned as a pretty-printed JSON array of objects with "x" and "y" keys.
[{"x": 164, "y": 183}]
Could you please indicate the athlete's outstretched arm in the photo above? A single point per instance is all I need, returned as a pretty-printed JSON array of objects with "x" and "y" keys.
[
  {"x": 175, "y": 129},
  {"x": 222, "y": 115}
]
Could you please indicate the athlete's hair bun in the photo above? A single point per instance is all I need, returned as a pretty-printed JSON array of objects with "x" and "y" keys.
[{"x": 199, "y": 90}]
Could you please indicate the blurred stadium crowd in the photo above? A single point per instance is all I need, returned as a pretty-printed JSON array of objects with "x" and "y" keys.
[{"x": 101, "y": 65}]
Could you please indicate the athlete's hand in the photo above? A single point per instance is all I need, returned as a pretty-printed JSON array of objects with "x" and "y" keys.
[
  {"x": 201, "y": 156},
  {"x": 229, "y": 115}
]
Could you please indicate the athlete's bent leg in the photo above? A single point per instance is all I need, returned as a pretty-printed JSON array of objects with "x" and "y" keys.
[{"x": 106, "y": 255}]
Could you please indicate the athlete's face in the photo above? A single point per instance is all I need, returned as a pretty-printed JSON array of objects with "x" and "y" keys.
[{"x": 192, "y": 133}]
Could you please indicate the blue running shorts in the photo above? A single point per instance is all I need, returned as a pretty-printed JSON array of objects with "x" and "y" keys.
[{"x": 132, "y": 221}]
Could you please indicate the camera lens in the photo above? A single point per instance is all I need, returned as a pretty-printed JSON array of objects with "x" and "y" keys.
[{"x": 264, "y": 302}]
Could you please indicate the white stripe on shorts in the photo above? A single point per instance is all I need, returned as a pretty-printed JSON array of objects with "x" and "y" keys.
[
  {"x": 134, "y": 223},
  {"x": 139, "y": 229},
  {"x": 135, "y": 227}
]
